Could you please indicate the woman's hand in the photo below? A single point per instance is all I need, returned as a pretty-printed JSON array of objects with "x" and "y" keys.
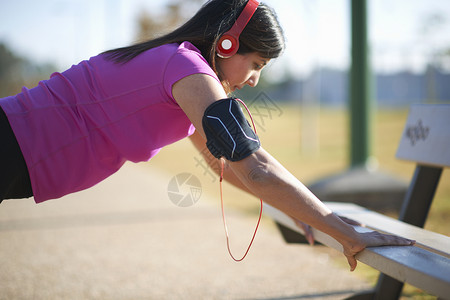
[
  {"x": 307, "y": 230},
  {"x": 366, "y": 239},
  {"x": 372, "y": 239}
]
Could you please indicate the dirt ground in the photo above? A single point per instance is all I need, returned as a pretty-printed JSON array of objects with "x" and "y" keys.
[{"x": 125, "y": 239}]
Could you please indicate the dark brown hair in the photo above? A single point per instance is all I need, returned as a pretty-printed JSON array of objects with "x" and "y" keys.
[{"x": 263, "y": 33}]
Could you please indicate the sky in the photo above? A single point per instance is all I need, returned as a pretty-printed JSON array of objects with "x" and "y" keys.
[{"x": 401, "y": 36}]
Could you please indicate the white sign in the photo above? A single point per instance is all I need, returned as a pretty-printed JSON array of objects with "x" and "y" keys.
[{"x": 426, "y": 137}]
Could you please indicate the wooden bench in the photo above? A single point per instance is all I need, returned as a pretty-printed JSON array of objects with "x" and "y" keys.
[{"x": 425, "y": 141}]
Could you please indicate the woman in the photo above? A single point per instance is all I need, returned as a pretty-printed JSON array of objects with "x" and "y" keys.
[{"x": 80, "y": 126}]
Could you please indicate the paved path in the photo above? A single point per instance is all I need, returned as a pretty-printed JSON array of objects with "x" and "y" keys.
[{"x": 124, "y": 239}]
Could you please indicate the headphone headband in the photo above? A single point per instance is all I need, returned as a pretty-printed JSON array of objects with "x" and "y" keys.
[{"x": 228, "y": 44}]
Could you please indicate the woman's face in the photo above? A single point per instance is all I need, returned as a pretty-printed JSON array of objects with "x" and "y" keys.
[{"x": 240, "y": 70}]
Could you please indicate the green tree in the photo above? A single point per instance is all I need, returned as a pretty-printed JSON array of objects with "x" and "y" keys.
[
  {"x": 10, "y": 71},
  {"x": 16, "y": 71},
  {"x": 174, "y": 13}
]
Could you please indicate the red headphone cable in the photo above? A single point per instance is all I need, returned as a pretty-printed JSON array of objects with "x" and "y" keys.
[{"x": 222, "y": 205}]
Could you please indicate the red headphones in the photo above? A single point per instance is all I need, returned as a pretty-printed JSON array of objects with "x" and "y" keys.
[{"x": 228, "y": 43}]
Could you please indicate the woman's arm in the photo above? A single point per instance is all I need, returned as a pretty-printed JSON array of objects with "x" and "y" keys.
[
  {"x": 228, "y": 175},
  {"x": 266, "y": 178}
]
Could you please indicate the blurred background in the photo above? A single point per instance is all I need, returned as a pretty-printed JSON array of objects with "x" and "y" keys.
[
  {"x": 305, "y": 93},
  {"x": 409, "y": 43},
  {"x": 301, "y": 105}
]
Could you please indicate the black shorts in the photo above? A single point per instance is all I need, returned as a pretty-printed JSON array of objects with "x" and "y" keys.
[{"x": 14, "y": 177}]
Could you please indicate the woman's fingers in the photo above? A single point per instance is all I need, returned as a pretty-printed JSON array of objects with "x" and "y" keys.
[
  {"x": 307, "y": 230},
  {"x": 367, "y": 239},
  {"x": 309, "y": 234},
  {"x": 375, "y": 238},
  {"x": 352, "y": 262},
  {"x": 351, "y": 222},
  {"x": 350, "y": 254}
]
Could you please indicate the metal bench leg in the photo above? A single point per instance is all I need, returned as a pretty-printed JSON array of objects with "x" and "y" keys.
[
  {"x": 420, "y": 195},
  {"x": 414, "y": 211},
  {"x": 388, "y": 288},
  {"x": 415, "y": 208}
]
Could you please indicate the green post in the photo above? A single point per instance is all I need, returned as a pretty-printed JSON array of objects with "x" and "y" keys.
[
  {"x": 360, "y": 86},
  {"x": 362, "y": 184}
]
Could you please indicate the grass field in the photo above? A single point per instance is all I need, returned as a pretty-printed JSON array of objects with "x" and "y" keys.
[
  {"x": 312, "y": 148},
  {"x": 313, "y": 144}
]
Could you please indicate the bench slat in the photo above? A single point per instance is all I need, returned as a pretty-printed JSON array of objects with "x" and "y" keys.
[
  {"x": 426, "y": 137},
  {"x": 428, "y": 240},
  {"x": 419, "y": 267}
]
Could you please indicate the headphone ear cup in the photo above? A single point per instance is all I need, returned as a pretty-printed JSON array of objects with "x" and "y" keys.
[{"x": 227, "y": 46}]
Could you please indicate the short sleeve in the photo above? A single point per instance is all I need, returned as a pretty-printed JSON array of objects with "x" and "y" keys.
[{"x": 186, "y": 61}]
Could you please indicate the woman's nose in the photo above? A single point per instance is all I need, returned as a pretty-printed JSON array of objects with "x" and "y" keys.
[{"x": 254, "y": 79}]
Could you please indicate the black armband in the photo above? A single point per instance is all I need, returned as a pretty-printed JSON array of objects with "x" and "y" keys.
[{"x": 228, "y": 132}]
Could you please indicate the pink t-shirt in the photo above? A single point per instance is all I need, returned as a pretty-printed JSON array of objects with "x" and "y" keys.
[{"x": 80, "y": 126}]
